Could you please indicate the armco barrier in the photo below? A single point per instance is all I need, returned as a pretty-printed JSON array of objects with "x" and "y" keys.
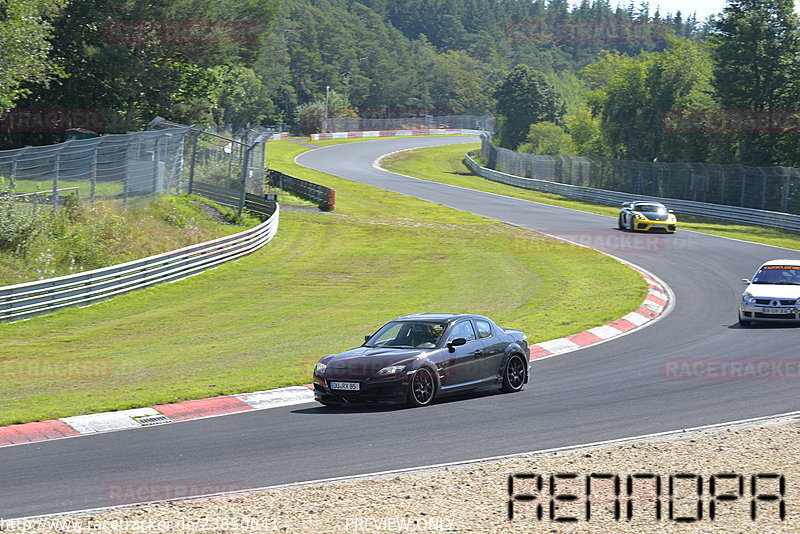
[
  {"x": 771, "y": 219},
  {"x": 32, "y": 298},
  {"x": 323, "y": 196},
  {"x": 393, "y": 133}
]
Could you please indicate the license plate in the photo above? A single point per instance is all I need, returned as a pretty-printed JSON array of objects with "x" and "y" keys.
[
  {"x": 777, "y": 311},
  {"x": 658, "y": 226},
  {"x": 347, "y": 386}
]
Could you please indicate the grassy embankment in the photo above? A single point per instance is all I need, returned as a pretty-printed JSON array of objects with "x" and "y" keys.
[
  {"x": 84, "y": 237},
  {"x": 444, "y": 164},
  {"x": 324, "y": 281}
]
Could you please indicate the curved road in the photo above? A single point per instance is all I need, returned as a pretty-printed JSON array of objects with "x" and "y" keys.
[{"x": 612, "y": 390}]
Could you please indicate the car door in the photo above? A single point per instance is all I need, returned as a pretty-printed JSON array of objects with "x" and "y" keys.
[
  {"x": 494, "y": 346},
  {"x": 462, "y": 364}
]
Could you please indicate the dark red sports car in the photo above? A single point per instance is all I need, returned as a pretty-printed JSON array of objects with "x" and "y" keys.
[{"x": 418, "y": 357}]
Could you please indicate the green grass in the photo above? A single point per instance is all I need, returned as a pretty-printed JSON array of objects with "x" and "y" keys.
[
  {"x": 324, "y": 281},
  {"x": 444, "y": 164}
]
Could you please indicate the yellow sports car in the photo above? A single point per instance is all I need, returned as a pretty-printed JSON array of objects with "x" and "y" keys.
[{"x": 645, "y": 216}]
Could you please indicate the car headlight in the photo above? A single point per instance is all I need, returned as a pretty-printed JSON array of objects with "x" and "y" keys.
[
  {"x": 797, "y": 302},
  {"x": 748, "y": 299},
  {"x": 320, "y": 368},
  {"x": 638, "y": 215},
  {"x": 391, "y": 370}
]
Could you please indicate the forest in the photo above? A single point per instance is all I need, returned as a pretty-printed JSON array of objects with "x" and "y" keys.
[{"x": 590, "y": 78}]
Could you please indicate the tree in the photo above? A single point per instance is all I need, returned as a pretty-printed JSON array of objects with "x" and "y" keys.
[
  {"x": 25, "y": 31},
  {"x": 546, "y": 138},
  {"x": 756, "y": 46},
  {"x": 632, "y": 95},
  {"x": 135, "y": 59},
  {"x": 311, "y": 115},
  {"x": 584, "y": 129},
  {"x": 524, "y": 97}
]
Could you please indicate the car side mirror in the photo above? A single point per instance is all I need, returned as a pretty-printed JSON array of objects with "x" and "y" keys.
[
  {"x": 746, "y": 281},
  {"x": 457, "y": 342},
  {"x": 670, "y": 211},
  {"x": 367, "y": 337}
]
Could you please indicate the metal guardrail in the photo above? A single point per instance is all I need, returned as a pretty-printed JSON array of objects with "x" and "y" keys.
[
  {"x": 32, "y": 298},
  {"x": 771, "y": 219},
  {"x": 324, "y": 197},
  {"x": 43, "y": 197}
]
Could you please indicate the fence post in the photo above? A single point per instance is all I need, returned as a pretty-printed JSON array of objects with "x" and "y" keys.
[
  {"x": 787, "y": 184},
  {"x": 93, "y": 175},
  {"x": 194, "y": 158},
  {"x": 125, "y": 172},
  {"x": 156, "y": 160},
  {"x": 56, "y": 172},
  {"x": 741, "y": 191},
  {"x": 245, "y": 162}
]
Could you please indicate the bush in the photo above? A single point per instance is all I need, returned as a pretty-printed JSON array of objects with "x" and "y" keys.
[{"x": 20, "y": 222}]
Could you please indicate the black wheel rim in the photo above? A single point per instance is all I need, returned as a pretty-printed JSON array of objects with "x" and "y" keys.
[
  {"x": 515, "y": 373},
  {"x": 422, "y": 386}
]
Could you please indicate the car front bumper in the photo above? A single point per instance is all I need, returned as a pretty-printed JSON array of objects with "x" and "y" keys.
[
  {"x": 778, "y": 314},
  {"x": 383, "y": 391},
  {"x": 646, "y": 225}
]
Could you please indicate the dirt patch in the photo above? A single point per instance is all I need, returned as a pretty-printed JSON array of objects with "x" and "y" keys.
[{"x": 213, "y": 213}]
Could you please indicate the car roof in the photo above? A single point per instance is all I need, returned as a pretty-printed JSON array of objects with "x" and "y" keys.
[
  {"x": 437, "y": 317},
  {"x": 627, "y": 202},
  {"x": 795, "y": 262}
]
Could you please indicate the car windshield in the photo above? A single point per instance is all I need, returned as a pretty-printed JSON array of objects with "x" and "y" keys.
[
  {"x": 778, "y": 274},
  {"x": 407, "y": 335},
  {"x": 650, "y": 208}
]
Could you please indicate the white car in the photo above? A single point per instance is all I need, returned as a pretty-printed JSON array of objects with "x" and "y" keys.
[{"x": 773, "y": 294}]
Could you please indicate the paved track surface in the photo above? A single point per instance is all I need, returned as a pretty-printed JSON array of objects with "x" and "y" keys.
[{"x": 612, "y": 390}]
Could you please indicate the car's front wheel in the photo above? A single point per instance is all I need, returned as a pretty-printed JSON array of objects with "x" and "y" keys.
[
  {"x": 422, "y": 388},
  {"x": 744, "y": 322},
  {"x": 620, "y": 222},
  {"x": 514, "y": 374}
]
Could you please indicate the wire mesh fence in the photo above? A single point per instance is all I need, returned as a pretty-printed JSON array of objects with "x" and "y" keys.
[
  {"x": 120, "y": 166},
  {"x": 465, "y": 122},
  {"x": 764, "y": 188},
  {"x": 218, "y": 160}
]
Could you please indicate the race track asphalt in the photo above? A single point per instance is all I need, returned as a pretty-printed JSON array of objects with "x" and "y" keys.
[{"x": 612, "y": 390}]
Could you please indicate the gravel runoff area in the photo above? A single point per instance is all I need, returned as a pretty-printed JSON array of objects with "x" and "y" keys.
[{"x": 474, "y": 497}]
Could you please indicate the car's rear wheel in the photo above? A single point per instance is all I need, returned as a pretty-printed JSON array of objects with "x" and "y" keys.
[
  {"x": 514, "y": 374},
  {"x": 422, "y": 388}
]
